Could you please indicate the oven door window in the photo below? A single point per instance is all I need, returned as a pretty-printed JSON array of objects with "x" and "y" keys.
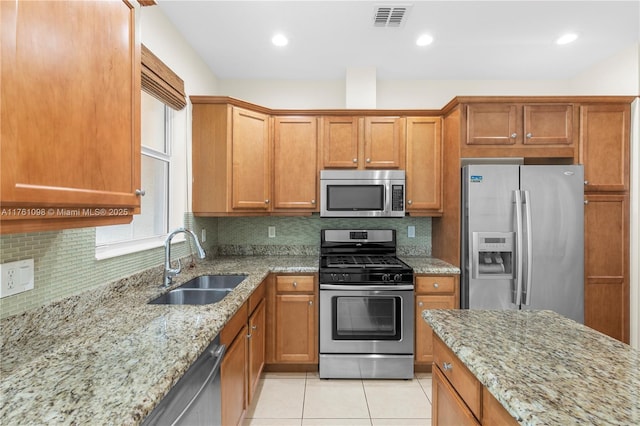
[
  {"x": 367, "y": 318},
  {"x": 355, "y": 197}
]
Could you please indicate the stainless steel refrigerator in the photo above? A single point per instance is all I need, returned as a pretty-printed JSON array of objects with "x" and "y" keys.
[{"x": 523, "y": 238}]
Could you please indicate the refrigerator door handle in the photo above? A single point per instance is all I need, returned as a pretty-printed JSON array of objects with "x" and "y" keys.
[
  {"x": 516, "y": 293},
  {"x": 526, "y": 288}
]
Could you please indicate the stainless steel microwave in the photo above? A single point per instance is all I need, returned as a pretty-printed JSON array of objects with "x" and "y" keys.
[{"x": 362, "y": 193}]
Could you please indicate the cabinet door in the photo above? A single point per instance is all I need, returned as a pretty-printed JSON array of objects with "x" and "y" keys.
[
  {"x": 424, "y": 335},
  {"x": 339, "y": 142},
  {"x": 296, "y": 328},
  {"x": 492, "y": 124},
  {"x": 233, "y": 380},
  {"x": 70, "y": 104},
  {"x": 424, "y": 164},
  {"x": 257, "y": 324},
  {"x": 448, "y": 409},
  {"x": 606, "y": 257},
  {"x": 295, "y": 163},
  {"x": 604, "y": 146},
  {"x": 251, "y": 163},
  {"x": 384, "y": 143},
  {"x": 548, "y": 124}
]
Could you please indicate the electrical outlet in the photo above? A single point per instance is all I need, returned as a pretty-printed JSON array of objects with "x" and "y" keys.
[
  {"x": 272, "y": 232},
  {"x": 16, "y": 277},
  {"x": 203, "y": 235},
  {"x": 411, "y": 231}
]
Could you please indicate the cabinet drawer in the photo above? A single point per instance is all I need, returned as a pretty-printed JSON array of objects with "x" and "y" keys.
[
  {"x": 297, "y": 283},
  {"x": 465, "y": 383},
  {"x": 234, "y": 325},
  {"x": 435, "y": 284}
]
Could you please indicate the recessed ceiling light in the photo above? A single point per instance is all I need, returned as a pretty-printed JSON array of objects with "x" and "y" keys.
[
  {"x": 279, "y": 40},
  {"x": 567, "y": 38},
  {"x": 424, "y": 40}
]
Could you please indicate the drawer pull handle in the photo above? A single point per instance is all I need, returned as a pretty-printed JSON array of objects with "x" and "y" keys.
[
  {"x": 446, "y": 366},
  {"x": 436, "y": 285},
  {"x": 420, "y": 303},
  {"x": 295, "y": 284}
]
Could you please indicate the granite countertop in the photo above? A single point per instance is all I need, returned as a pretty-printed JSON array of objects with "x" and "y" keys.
[
  {"x": 107, "y": 357},
  {"x": 545, "y": 369}
]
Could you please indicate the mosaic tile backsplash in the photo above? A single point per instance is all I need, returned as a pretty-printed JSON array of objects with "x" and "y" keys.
[{"x": 65, "y": 263}]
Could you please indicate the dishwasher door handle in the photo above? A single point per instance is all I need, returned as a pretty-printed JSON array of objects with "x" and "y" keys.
[{"x": 218, "y": 354}]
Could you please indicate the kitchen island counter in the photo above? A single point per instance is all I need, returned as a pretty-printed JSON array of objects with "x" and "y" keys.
[
  {"x": 106, "y": 356},
  {"x": 543, "y": 368}
]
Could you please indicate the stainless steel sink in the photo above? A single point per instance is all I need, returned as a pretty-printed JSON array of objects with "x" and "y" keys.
[
  {"x": 215, "y": 281},
  {"x": 191, "y": 296}
]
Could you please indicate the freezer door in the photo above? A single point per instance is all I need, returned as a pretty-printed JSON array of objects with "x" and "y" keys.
[
  {"x": 555, "y": 215},
  {"x": 487, "y": 206}
]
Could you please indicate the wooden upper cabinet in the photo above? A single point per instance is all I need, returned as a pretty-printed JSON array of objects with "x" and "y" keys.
[
  {"x": 604, "y": 146},
  {"x": 295, "y": 163},
  {"x": 362, "y": 142},
  {"x": 424, "y": 164},
  {"x": 527, "y": 130},
  {"x": 339, "y": 142},
  {"x": 231, "y": 160},
  {"x": 70, "y": 111},
  {"x": 251, "y": 172},
  {"x": 384, "y": 143}
]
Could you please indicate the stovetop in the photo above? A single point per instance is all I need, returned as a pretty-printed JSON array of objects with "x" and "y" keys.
[{"x": 361, "y": 257}]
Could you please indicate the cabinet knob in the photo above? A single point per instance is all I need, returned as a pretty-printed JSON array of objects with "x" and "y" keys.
[
  {"x": 436, "y": 285},
  {"x": 295, "y": 284},
  {"x": 313, "y": 201},
  {"x": 586, "y": 182},
  {"x": 446, "y": 366},
  {"x": 254, "y": 327},
  {"x": 248, "y": 336},
  {"x": 514, "y": 135},
  {"x": 368, "y": 160},
  {"x": 409, "y": 202},
  {"x": 310, "y": 302},
  {"x": 355, "y": 160},
  {"x": 586, "y": 202},
  {"x": 420, "y": 303},
  {"x": 266, "y": 201},
  {"x": 529, "y": 135},
  {"x": 141, "y": 192}
]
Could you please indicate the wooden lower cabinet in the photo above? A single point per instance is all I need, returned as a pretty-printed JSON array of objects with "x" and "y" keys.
[
  {"x": 292, "y": 321},
  {"x": 432, "y": 292},
  {"x": 233, "y": 378},
  {"x": 606, "y": 292},
  {"x": 458, "y": 397},
  {"x": 244, "y": 336}
]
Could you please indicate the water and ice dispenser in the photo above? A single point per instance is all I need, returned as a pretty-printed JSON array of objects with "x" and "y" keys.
[{"x": 493, "y": 255}]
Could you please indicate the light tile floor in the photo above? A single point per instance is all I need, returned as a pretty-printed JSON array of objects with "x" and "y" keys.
[{"x": 303, "y": 399}]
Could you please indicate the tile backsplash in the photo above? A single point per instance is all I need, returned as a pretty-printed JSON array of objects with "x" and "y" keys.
[{"x": 65, "y": 263}]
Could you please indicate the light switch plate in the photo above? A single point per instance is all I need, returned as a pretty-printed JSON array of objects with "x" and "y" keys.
[{"x": 16, "y": 277}]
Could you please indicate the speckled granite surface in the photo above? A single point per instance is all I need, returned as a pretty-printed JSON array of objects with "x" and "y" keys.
[
  {"x": 430, "y": 265},
  {"x": 544, "y": 368},
  {"x": 107, "y": 357}
]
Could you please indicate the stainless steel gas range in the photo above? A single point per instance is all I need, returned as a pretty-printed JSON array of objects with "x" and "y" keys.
[{"x": 366, "y": 306}]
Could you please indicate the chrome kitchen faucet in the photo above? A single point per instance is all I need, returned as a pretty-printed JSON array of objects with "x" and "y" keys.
[{"x": 169, "y": 272}]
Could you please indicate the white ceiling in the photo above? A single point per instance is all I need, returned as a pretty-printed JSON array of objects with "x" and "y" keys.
[{"x": 505, "y": 40}]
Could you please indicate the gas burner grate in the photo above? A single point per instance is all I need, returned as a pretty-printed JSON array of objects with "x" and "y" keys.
[{"x": 363, "y": 262}]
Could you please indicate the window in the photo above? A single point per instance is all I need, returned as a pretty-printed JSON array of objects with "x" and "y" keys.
[{"x": 149, "y": 228}]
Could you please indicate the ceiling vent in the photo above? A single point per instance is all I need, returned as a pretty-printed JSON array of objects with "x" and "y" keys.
[{"x": 390, "y": 16}]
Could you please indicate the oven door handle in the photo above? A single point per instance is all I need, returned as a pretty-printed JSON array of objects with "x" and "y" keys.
[{"x": 367, "y": 287}]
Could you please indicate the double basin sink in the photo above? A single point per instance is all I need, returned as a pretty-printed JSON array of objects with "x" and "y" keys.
[{"x": 203, "y": 290}]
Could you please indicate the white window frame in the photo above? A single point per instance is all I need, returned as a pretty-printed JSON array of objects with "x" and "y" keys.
[{"x": 135, "y": 245}]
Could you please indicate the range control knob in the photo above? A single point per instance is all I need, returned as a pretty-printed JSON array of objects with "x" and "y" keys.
[
  {"x": 345, "y": 277},
  {"x": 397, "y": 277},
  {"x": 334, "y": 277},
  {"x": 386, "y": 277}
]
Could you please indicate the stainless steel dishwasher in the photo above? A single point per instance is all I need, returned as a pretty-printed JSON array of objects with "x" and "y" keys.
[{"x": 195, "y": 399}]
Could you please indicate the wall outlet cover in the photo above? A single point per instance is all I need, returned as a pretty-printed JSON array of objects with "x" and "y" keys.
[
  {"x": 411, "y": 231},
  {"x": 16, "y": 277},
  {"x": 272, "y": 232}
]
